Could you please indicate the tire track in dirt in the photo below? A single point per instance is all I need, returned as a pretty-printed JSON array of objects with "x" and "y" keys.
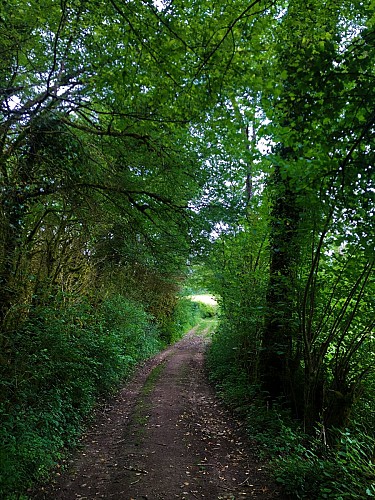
[{"x": 165, "y": 436}]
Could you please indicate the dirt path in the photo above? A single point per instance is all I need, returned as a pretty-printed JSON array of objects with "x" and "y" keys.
[{"x": 165, "y": 436}]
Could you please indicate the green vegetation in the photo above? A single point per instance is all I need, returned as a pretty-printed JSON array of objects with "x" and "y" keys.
[
  {"x": 294, "y": 351},
  {"x": 140, "y": 415},
  {"x": 64, "y": 360},
  {"x": 151, "y": 149},
  {"x": 207, "y": 327},
  {"x": 152, "y": 379}
]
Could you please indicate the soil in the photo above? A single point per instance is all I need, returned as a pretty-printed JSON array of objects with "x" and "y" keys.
[{"x": 164, "y": 436}]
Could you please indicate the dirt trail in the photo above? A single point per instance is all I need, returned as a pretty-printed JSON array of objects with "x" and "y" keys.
[{"x": 165, "y": 436}]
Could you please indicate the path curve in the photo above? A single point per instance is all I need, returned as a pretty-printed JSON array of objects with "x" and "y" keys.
[{"x": 165, "y": 436}]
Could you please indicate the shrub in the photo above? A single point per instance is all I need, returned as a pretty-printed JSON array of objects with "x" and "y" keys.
[
  {"x": 186, "y": 314},
  {"x": 226, "y": 370},
  {"x": 207, "y": 310},
  {"x": 316, "y": 471},
  {"x": 303, "y": 465},
  {"x": 61, "y": 361}
]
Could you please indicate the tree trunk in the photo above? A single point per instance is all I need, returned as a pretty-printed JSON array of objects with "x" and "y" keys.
[
  {"x": 278, "y": 363},
  {"x": 9, "y": 234}
]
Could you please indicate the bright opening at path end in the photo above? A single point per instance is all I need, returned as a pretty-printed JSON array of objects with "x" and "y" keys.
[{"x": 205, "y": 298}]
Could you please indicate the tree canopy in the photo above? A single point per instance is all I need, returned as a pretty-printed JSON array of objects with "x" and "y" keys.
[{"x": 140, "y": 140}]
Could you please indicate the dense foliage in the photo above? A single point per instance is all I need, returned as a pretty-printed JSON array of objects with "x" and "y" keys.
[
  {"x": 64, "y": 359},
  {"x": 296, "y": 273},
  {"x": 142, "y": 139}
]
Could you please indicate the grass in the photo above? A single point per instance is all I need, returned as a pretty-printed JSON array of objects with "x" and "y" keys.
[
  {"x": 206, "y": 326},
  {"x": 153, "y": 377},
  {"x": 142, "y": 409}
]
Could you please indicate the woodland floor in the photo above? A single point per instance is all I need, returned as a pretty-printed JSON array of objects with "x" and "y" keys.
[{"x": 164, "y": 436}]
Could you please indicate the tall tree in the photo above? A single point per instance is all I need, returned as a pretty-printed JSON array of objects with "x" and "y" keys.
[{"x": 324, "y": 127}]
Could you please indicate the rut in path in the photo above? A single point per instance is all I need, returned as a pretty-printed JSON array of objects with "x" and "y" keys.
[{"x": 165, "y": 436}]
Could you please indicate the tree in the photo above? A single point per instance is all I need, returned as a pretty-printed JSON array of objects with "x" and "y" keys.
[
  {"x": 308, "y": 96},
  {"x": 318, "y": 176}
]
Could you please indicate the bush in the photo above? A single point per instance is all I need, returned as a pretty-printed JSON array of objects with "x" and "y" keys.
[
  {"x": 303, "y": 465},
  {"x": 186, "y": 314},
  {"x": 316, "y": 471},
  {"x": 61, "y": 361},
  {"x": 206, "y": 310},
  {"x": 227, "y": 371}
]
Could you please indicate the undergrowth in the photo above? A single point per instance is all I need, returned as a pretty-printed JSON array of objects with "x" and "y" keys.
[
  {"x": 305, "y": 466},
  {"x": 63, "y": 359}
]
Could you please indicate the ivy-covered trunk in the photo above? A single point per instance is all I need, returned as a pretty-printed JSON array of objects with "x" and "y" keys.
[{"x": 278, "y": 360}]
